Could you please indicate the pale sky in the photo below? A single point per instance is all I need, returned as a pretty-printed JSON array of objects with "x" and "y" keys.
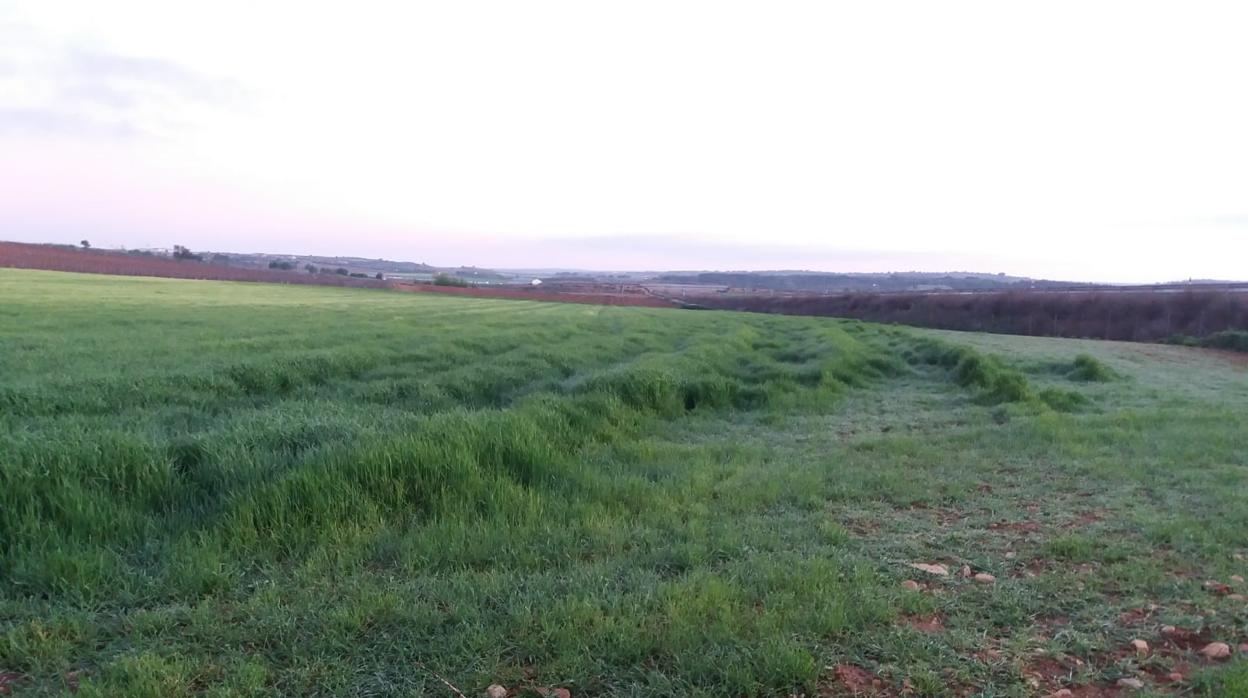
[{"x": 1071, "y": 140}]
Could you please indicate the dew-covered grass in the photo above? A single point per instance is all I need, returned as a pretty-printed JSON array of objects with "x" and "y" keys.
[{"x": 223, "y": 489}]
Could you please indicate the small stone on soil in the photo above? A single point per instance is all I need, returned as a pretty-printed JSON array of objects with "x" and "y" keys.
[
  {"x": 985, "y": 578},
  {"x": 965, "y": 571},
  {"x": 495, "y": 691},
  {"x": 911, "y": 585},
  {"x": 1216, "y": 650},
  {"x": 939, "y": 570},
  {"x": 1131, "y": 683},
  {"x": 1140, "y": 646}
]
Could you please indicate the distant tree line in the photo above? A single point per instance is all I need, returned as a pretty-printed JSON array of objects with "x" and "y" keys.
[
  {"x": 181, "y": 252},
  {"x": 448, "y": 280},
  {"x": 826, "y": 282},
  {"x": 1123, "y": 315},
  {"x": 1231, "y": 340}
]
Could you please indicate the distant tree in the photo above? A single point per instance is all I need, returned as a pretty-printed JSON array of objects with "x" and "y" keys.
[
  {"x": 219, "y": 258},
  {"x": 284, "y": 266},
  {"x": 358, "y": 275},
  {"x": 379, "y": 276},
  {"x": 342, "y": 272},
  {"x": 448, "y": 280},
  {"x": 310, "y": 268},
  {"x": 180, "y": 252},
  {"x": 86, "y": 244}
]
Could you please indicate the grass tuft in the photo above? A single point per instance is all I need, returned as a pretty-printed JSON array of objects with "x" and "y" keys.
[{"x": 1089, "y": 369}]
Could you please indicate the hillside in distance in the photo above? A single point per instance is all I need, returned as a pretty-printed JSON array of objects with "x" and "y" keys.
[
  {"x": 834, "y": 282},
  {"x": 787, "y": 281},
  {"x": 366, "y": 265},
  {"x": 791, "y": 281}
]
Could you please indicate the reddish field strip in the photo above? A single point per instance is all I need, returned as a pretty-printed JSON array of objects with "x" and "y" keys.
[{"x": 27, "y": 256}]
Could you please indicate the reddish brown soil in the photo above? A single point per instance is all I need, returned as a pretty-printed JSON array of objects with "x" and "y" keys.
[
  {"x": 1187, "y": 355},
  {"x": 7, "y": 679},
  {"x": 931, "y": 624},
  {"x": 855, "y": 681},
  {"x": 1018, "y": 526},
  {"x": 1237, "y": 358},
  {"x": 1087, "y": 518},
  {"x": 1134, "y": 616},
  {"x": 1088, "y": 691},
  {"x": 1050, "y": 675}
]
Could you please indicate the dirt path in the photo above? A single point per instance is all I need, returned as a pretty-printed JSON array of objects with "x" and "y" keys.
[{"x": 1184, "y": 355}]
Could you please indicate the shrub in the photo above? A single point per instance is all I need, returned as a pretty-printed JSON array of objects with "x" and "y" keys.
[
  {"x": 1234, "y": 340},
  {"x": 994, "y": 382},
  {"x": 1231, "y": 340},
  {"x": 1063, "y": 400},
  {"x": 1089, "y": 369}
]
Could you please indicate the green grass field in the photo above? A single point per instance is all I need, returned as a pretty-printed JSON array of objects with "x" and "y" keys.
[{"x": 227, "y": 489}]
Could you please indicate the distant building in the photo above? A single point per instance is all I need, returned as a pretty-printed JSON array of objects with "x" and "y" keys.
[{"x": 536, "y": 282}]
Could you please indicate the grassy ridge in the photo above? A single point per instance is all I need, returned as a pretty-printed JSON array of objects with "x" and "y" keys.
[
  {"x": 245, "y": 490},
  {"x": 112, "y": 474}
]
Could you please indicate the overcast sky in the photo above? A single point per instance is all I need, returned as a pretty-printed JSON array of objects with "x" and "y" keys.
[{"x": 1073, "y": 140}]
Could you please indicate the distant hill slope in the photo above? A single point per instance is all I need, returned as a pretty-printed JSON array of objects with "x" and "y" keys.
[
  {"x": 386, "y": 267},
  {"x": 827, "y": 282}
]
